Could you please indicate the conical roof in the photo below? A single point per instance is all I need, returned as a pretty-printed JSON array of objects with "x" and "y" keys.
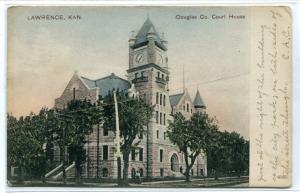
[
  {"x": 141, "y": 37},
  {"x": 198, "y": 102}
]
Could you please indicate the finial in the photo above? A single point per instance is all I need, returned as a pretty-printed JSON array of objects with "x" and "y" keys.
[{"x": 132, "y": 33}]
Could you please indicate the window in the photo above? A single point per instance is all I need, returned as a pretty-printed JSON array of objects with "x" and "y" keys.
[
  {"x": 132, "y": 173},
  {"x": 164, "y": 119},
  {"x": 141, "y": 172},
  {"x": 157, "y": 134},
  {"x": 73, "y": 93},
  {"x": 157, "y": 96},
  {"x": 184, "y": 107},
  {"x": 161, "y": 155},
  {"x": 156, "y": 116},
  {"x": 105, "y": 152},
  {"x": 158, "y": 74},
  {"x": 174, "y": 163},
  {"x": 164, "y": 102},
  {"x": 165, "y": 135},
  {"x": 191, "y": 110},
  {"x": 192, "y": 172},
  {"x": 136, "y": 75},
  {"x": 105, "y": 172},
  {"x": 161, "y": 172},
  {"x": 105, "y": 131},
  {"x": 142, "y": 74},
  {"x": 160, "y": 99},
  {"x": 160, "y": 118},
  {"x": 133, "y": 155},
  {"x": 163, "y": 76},
  {"x": 188, "y": 107},
  {"x": 141, "y": 154}
]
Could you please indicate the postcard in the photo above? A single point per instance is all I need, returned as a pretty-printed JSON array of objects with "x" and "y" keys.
[{"x": 149, "y": 96}]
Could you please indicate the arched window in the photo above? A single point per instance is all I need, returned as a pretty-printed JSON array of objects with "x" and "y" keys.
[
  {"x": 174, "y": 163},
  {"x": 105, "y": 172}
]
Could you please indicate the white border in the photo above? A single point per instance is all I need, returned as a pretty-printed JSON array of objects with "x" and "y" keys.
[{"x": 295, "y": 6}]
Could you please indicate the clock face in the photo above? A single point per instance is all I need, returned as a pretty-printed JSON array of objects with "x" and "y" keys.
[{"x": 139, "y": 58}]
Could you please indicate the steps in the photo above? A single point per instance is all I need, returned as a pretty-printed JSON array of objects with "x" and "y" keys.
[
  {"x": 54, "y": 171},
  {"x": 57, "y": 172},
  {"x": 60, "y": 174}
]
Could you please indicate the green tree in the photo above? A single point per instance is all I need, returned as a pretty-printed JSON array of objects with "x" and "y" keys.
[
  {"x": 229, "y": 154},
  {"x": 77, "y": 122},
  {"x": 240, "y": 153},
  {"x": 192, "y": 136},
  {"x": 25, "y": 144},
  {"x": 133, "y": 118}
]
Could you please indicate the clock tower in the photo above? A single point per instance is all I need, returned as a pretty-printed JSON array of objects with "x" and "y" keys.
[
  {"x": 148, "y": 71},
  {"x": 147, "y": 47}
]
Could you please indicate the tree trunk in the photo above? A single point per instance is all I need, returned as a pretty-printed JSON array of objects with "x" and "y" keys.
[
  {"x": 20, "y": 175},
  {"x": 187, "y": 167},
  {"x": 78, "y": 169},
  {"x": 216, "y": 175},
  {"x": 125, "y": 169},
  {"x": 187, "y": 175}
]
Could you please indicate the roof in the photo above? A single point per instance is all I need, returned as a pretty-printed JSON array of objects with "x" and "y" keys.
[
  {"x": 141, "y": 37},
  {"x": 174, "y": 99},
  {"x": 108, "y": 83},
  {"x": 198, "y": 102}
]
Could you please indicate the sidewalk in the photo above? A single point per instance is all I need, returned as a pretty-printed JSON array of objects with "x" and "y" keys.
[{"x": 196, "y": 183}]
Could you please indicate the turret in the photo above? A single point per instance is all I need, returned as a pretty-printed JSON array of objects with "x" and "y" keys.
[{"x": 198, "y": 103}]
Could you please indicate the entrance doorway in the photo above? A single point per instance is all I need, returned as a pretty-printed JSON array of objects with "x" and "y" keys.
[{"x": 174, "y": 163}]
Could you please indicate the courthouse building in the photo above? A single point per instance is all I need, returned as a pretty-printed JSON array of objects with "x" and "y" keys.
[{"x": 148, "y": 77}]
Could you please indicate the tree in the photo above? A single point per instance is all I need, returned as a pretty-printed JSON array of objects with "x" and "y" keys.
[
  {"x": 192, "y": 136},
  {"x": 133, "y": 117},
  {"x": 240, "y": 153},
  {"x": 25, "y": 143},
  {"x": 229, "y": 154},
  {"x": 78, "y": 121}
]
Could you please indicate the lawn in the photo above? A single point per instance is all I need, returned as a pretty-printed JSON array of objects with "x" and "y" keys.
[{"x": 195, "y": 183}]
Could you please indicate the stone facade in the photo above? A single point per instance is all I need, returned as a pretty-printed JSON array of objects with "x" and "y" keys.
[{"x": 148, "y": 77}]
